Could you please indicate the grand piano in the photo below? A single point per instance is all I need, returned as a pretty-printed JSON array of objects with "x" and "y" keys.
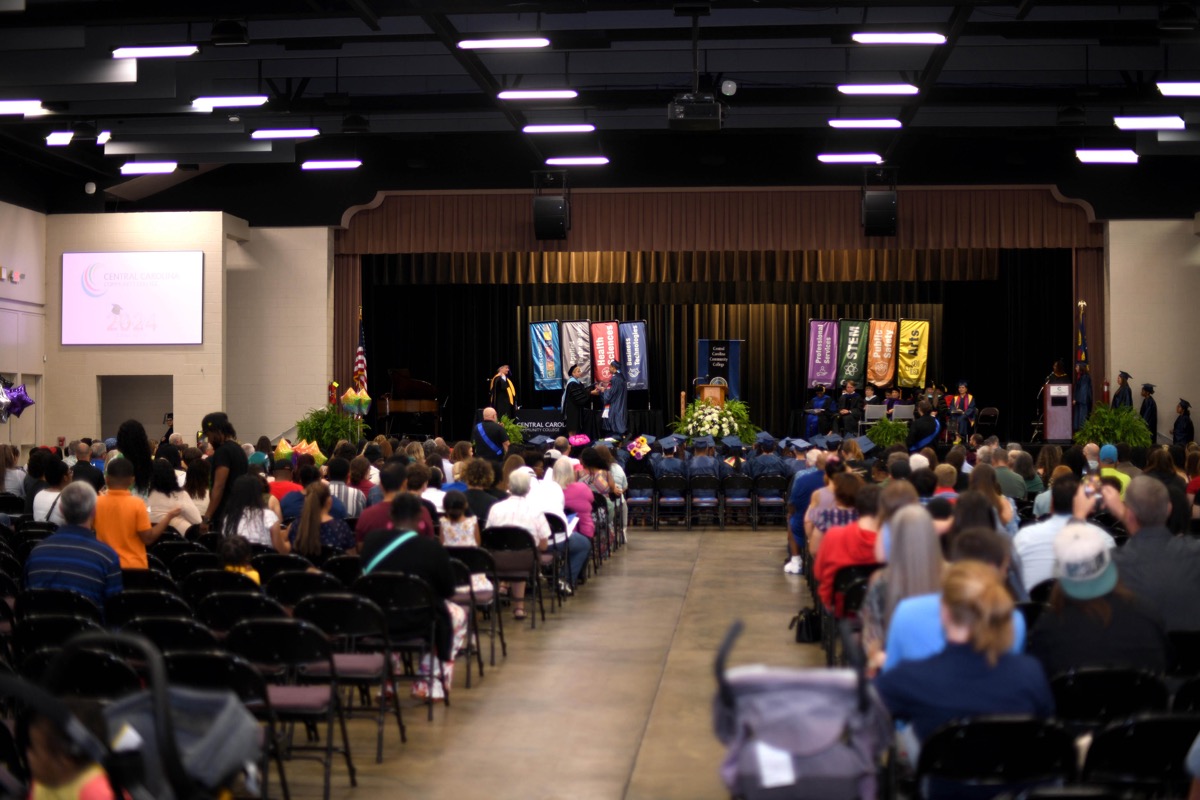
[{"x": 412, "y": 403}]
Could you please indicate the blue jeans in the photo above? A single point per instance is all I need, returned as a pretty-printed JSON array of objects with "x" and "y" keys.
[{"x": 579, "y": 547}]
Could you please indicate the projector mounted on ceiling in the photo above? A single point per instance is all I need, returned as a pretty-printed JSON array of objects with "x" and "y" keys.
[{"x": 695, "y": 111}]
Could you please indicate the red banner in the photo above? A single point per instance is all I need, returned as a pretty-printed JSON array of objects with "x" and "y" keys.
[{"x": 605, "y": 349}]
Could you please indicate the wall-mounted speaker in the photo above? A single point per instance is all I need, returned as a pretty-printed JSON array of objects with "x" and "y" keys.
[
  {"x": 551, "y": 217},
  {"x": 879, "y": 212}
]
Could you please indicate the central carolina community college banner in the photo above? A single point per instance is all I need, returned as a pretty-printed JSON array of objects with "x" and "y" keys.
[
  {"x": 577, "y": 347},
  {"x": 604, "y": 349},
  {"x": 822, "y": 352},
  {"x": 547, "y": 359},
  {"x": 914, "y": 352},
  {"x": 852, "y": 347},
  {"x": 721, "y": 359},
  {"x": 633, "y": 355},
  {"x": 881, "y": 357}
]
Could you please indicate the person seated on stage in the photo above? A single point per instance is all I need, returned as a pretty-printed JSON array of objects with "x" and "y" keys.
[
  {"x": 934, "y": 395},
  {"x": 1011, "y": 484},
  {"x": 870, "y": 398},
  {"x": 894, "y": 399},
  {"x": 848, "y": 545},
  {"x": 924, "y": 429},
  {"x": 849, "y": 410},
  {"x": 965, "y": 411},
  {"x": 823, "y": 408},
  {"x": 767, "y": 462}
]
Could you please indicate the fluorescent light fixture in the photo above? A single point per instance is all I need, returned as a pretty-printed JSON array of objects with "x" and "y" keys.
[
  {"x": 163, "y": 51},
  {"x": 1107, "y": 156},
  {"x": 850, "y": 158},
  {"x": 350, "y": 163},
  {"x": 60, "y": 138},
  {"x": 577, "y": 161},
  {"x": 864, "y": 123},
  {"x": 27, "y": 107},
  {"x": 877, "y": 88},
  {"x": 538, "y": 94},
  {"x": 285, "y": 133},
  {"x": 103, "y": 136},
  {"x": 209, "y": 103},
  {"x": 1149, "y": 123},
  {"x": 503, "y": 44},
  {"x": 898, "y": 38},
  {"x": 1179, "y": 89},
  {"x": 581, "y": 128},
  {"x": 148, "y": 167}
]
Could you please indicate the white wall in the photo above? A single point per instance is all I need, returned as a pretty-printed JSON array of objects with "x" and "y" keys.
[
  {"x": 142, "y": 397},
  {"x": 1153, "y": 285},
  {"x": 279, "y": 354},
  {"x": 22, "y": 317}
]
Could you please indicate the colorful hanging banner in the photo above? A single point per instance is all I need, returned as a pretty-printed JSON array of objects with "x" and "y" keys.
[
  {"x": 914, "y": 353},
  {"x": 881, "y": 357},
  {"x": 720, "y": 361},
  {"x": 604, "y": 348},
  {"x": 577, "y": 347},
  {"x": 822, "y": 352},
  {"x": 547, "y": 357},
  {"x": 633, "y": 355},
  {"x": 852, "y": 351}
]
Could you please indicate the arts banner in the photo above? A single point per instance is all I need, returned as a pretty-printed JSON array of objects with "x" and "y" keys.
[
  {"x": 881, "y": 355},
  {"x": 604, "y": 349},
  {"x": 822, "y": 351},
  {"x": 633, "y": 355},
  {"x": 577, "y": 347},
  {"x": 914, "y": 353},
  {"x": 547, "y": 357},
  {"x": 852, "y": 351}
]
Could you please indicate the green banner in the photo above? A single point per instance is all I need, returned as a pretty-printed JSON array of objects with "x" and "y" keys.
[{"x": 852, "y": 348}]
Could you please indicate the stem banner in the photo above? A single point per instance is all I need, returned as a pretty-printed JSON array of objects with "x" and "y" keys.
[{"x": 852, "y": 347}]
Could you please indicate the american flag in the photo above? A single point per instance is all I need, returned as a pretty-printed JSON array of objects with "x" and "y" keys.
[
  {"x": 1081, "y": 348},
  {"x": 360, "y": 360}
]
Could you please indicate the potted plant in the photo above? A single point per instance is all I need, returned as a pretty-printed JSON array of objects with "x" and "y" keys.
[
  {"x": 327, "y": 426},
  {"x": 886, "y": 433},
  {"x": 1108, "y": 425},
  {"x": 516, "y": 434},
  {"x": 702, "y": 418}
]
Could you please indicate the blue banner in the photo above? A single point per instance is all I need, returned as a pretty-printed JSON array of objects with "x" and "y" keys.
[
  {"x": 633, "y": 355},
  {"x": 720, "y": 361},
  {"x": 547, "y": 359}
]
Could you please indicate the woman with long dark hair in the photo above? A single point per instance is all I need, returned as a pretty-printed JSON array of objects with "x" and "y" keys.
[
  {"x": 247, "y": 515},
  {"x": 165, "y": 495},
  {"x": 983, "y": 479},
  {"x": 134, "y": 446},
  {"x": 316, "y": 529}
]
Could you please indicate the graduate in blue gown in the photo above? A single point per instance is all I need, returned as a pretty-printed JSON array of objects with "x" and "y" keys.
[
  {"x": 1082, "y": 397},
  {"x": 1124, "y": 395}
]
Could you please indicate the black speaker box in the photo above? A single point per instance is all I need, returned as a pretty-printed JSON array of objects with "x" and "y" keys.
[
  {"x": 551, "y": 217},
  {"x": 879, "y": 212}
]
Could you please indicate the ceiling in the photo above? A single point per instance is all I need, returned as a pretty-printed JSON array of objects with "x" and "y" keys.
[{"x": 1016, "y": 88}]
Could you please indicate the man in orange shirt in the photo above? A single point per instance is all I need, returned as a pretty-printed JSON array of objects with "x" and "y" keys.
[
  {"x": 122, "y": 521},
  {"x": 848, "y": 545}
]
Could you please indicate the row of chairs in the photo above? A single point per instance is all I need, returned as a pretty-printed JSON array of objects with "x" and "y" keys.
[{"x": 736, "y": 498}]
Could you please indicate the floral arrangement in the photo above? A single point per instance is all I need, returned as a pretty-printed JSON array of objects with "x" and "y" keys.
[
  {"x": 702, "y": 418},
  {"x": 638, "y": 448}
]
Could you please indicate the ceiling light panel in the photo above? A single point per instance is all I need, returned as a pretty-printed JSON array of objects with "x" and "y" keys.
[
  {"x": 157, "y": 51},
  {"x": 864, "y": 123},
  {"x": 898, "y": 38},
  {"x": 1174, "y": 123},
  {"x": 538, "y": 94},
  {"x": 1107, "y": 156},
  {"x": 850, "y": 158},
  {"x": 526, "y": 43},
  {"x": 877, "y": 88}
]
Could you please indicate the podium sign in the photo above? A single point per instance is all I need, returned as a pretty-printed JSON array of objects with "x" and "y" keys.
[
  {"x": 712, "y": 392},
  {"x": 1056, "y": 412}
]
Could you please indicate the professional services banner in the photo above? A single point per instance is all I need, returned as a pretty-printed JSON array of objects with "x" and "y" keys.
[
  {"x": 822, "y": 352},
  {"x": 604, "y": 348},
  {"x": 881, "y": 355},
  {"x": 577, "y": 347},
  {"x": 914, "y": 353},
  {"x": 720, "y": 360},
  {"x": 633, "y": 355},
  {"x": 547, "y": 358},
  {"x": 852, "y": 351}
]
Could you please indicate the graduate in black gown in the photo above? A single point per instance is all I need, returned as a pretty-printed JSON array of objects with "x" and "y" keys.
[
  {"x": 1082, "y": 399},
  {"x": 1124, "y": 395},
  {"x": 1149, "y": 410},
  {"x": 576, "y": 400},
  {"x": 1184, "y": 432}
]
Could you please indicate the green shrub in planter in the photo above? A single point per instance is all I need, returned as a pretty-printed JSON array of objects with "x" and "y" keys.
[
  {"x": 886, "y": 433},
  {"x": 1108, "y": 425}
]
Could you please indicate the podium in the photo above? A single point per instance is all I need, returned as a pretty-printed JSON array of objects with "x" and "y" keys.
[
  {"x": 713, "y": 393},
  {"x": 1056, "y": 413}
]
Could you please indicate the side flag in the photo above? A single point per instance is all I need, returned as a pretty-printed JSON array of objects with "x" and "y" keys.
[
  {"x": 633, "y": 355},
  {"x": 360, "y": 357},
  {"x": 547, "y": 361},
  {"x": 914, "y": 353},
  {"x": 852, "y": 345},
  {"x": 577, "y": 347},
  {"x": 822, "y": 351},
  {"x": 881, "y": 355},
  {"x": 604, "y": 349},
  {"x": 1081, "y": 353}
]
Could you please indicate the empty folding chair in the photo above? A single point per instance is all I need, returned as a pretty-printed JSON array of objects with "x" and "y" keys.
[{"x": 121, "y": 608}]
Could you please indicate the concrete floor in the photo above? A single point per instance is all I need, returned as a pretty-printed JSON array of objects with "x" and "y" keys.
[{"x": 611, "y": 698}]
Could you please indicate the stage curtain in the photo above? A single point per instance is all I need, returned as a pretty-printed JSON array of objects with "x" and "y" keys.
[
  {"x": 1089, "y": 287},
  {"x": 347, "y": 297}
]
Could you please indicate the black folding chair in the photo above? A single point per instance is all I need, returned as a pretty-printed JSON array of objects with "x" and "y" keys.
[
  {"x": 89, "y": 673},
  {"x": 1185, "y": 652},
  {"x": 641, "y": 506},
  {"x": 34, "y": 633},
  {"x": 1187, "y": 698},
  {"x": 480, "y": 561},
  {"x": 33, "y": 602},
  {"x": 11, "y": 503},
  {"x": 465, "y": 598},
  {"x": 171, "y": 634},
  {"x": 1089, "y": 697},
  {"x": 269, "y": 565},
  {"x": 132, "y": 603},
  {"x": 707, "y": 505},
  {"x": 1146, "y": 753},
  {"x": 847, "y": 580},
  {"x": 166, "y": 550},
  {"x": 519, "y": 560},
  {"x": 346, "y": 569},
  {"x": 554, "y": 558},
  {"x": 993, "y": 754},
  {"x": 148, "y": 579},
  {"x": 770, "y": 498},
  {"x": 222, "y": 610},
  {"x": 184, "y": 564},
  {"x": 670, "y": 505},
  {"x": 201, "y": 583},
  {"x": 289, "y": 588}
]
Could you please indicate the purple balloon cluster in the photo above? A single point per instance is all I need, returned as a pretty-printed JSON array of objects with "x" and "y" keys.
[{"x": 12, "y": 400}]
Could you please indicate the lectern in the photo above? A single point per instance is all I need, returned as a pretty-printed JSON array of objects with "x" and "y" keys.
[
  {"x": 713, "y": 393},
  {"x": 1056, "y": 412}
]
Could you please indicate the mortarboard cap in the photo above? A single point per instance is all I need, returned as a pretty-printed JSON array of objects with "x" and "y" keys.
[
  {"x": 732, "y": 441},
  {"x": 819, "y": 442},
  {"x": 541, "y": 441},
  {"x": 763, "y": 437},
  {"x": 703, "y": 441},
  {"x": 1148, "y": 387},
  {"x": 1186, "y": 405},
  {"x": 865, "y": 444},
  {"x": 1124, "y": 374},
  {"x": 834, "y": 439},
  {"x": 670, "y": 442},
  {"x": 963, "y": 382}
]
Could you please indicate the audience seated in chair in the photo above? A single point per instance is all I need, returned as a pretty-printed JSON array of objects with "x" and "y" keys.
[
  {"x": 848, "y": 545},
  {"x": 317, "y": 530},
  {"x": 72, "y": 558},
  {"x": 1035, "y": 544},
  {"x": 519, "y": 511}
]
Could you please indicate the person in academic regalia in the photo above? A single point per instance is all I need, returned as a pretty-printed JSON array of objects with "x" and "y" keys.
[
  {"x": 1149, "y": 410},
  {"x": 1058, "y": 373},
  {"x": 1082, "y": 397},
  {"x": 870, "y": 396},
  {"x": 1124, "y": 395},
  {"x": 826, "y": 409},
  {"x": 616, "y": 402},
  {"x": 965, "y": 410},
  {"x": 575, "y": 399},
  {"x": 502, "y": 393},
  {"x": 1183, "y": 433},
  {"x": 850, "y": 410}
]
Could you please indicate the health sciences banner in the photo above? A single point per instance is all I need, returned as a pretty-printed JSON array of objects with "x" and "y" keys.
[
  {"x": 633, "y": 355},
  {"x": 547, "y": 358},
  {"x": 604, "y": 348},
  {"x": 852, "y": 347},
  {"x": 881, "y": 358},
  {"x": 577, "y": 347},
  {"x": 721, "y": 358},
  {"x": 914, "y": 353},
  {"x": 822, "y": 352}
]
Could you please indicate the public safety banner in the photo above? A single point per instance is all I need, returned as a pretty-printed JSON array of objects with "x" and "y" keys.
[
  {"x": 822, "y": 352},
  {"x": 604, "y": 348},
  {"x": 852, "y": 350},
  {"x": 720, "y": 360},
  {"x": 881, "y": 355},
  {"x": 577, "y": 347},
  {"x": 547, "y": 358},
  {"x": 914, "y": 353},
  {"x": 633, "y": 355}
]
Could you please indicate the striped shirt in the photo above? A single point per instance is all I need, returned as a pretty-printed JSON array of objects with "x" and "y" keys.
[
  {"x": 73, "y": 559},
  {"x": 353, "y": 499}
]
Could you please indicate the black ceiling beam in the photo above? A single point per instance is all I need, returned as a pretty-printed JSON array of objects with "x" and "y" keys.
[{"x": 365, "y": 13}]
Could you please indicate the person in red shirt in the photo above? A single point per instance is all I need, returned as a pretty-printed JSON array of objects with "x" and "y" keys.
[
  {"x": 848, "y": 545},
  {"x": 283, "y": 483}
]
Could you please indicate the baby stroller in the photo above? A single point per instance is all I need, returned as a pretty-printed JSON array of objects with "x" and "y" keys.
[
  {"x": 173, "y": 743},
  {"x": 799, "y": 733}
]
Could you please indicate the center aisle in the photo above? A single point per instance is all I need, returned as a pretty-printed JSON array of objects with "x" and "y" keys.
[{"x": 611, "y": 698}]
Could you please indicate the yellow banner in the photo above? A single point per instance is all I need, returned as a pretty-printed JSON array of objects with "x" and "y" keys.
[{"x": 914, "y": 352}]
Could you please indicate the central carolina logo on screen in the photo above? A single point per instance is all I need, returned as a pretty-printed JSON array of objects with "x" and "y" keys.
[{"x": 91, "y": 287}]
